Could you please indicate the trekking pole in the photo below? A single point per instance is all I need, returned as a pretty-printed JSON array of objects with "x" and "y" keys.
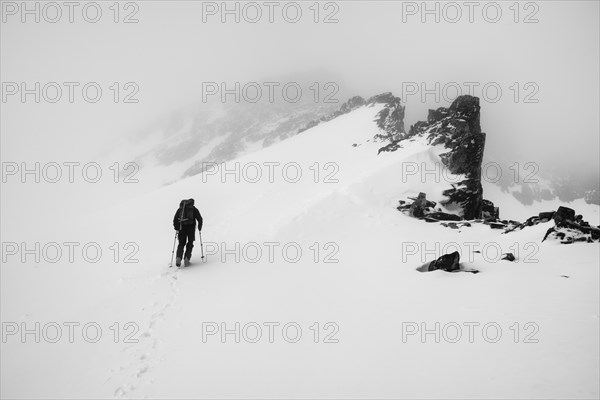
[
  {"x": 201, "y": 246},
  {"x": 173, "y": 252}
]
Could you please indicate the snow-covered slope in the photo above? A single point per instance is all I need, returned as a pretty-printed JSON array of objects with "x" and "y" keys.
[
  {"x": 523, "y": 329},
  {"x": 173, "y": 147}
]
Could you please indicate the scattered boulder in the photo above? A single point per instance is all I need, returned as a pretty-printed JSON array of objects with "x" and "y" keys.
[
  {"x": 454, "y": 225},
  {"x": 508, "y": 257},
  {"x": 447, "y": 262},
  {"x": 419, "y": 208}
]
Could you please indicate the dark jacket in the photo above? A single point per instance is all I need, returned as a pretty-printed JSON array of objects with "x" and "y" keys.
[{"x": 197, "y": 217}]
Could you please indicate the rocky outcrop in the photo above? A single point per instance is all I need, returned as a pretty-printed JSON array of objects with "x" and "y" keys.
[
  {"x": 458, "y": 129},
  {"x": 569, "y": 227},
  {"x": 390, "y": 119},
  {"x": 350, "y": 105}
]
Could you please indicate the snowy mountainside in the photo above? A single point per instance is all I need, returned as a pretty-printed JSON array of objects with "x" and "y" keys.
[
  {"x": 215, "y": 132},
  {"x": 344, "y": 200},
  {"x": 530, "y": 187},
  {"x": 522, "y": 200}
]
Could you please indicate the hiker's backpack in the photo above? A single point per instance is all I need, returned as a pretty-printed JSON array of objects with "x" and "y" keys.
[{"x": 186, "y": 213}]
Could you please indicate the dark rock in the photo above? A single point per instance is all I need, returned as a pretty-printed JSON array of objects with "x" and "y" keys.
[
  {"x": 390, "y": 119},
  {"x": 570, "y": 228},
  {"x": 442, "y": 216},
  {"x": 508, "y": 257},
  {"x": 546, "y": 216},
  {"x": 422, "y": 198},
  {"x": 466, "y": 159},
  {"x": 352, "y": 104},
  {"x": 417, "y": 209},
  {"x": 417, "y": 128},
  {"x": 488, "y": 210},
  {"x": 564, "y": 214},
  {"x": 385, "y": 98},
  {"x": 569, "y": 232},
  {"x": 436, "y": 115},
  {"x": 391, "y": 147},
  {"x": 447, "y": 262},
  {"x": 424, "y": 209},
  {"x": 467, "y": 107}
]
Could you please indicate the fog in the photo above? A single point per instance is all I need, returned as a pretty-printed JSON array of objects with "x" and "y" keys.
[{"x": 547, "y": 70}]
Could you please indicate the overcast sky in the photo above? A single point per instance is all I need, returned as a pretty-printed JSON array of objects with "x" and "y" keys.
[{"x": 375, "y": 46}]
